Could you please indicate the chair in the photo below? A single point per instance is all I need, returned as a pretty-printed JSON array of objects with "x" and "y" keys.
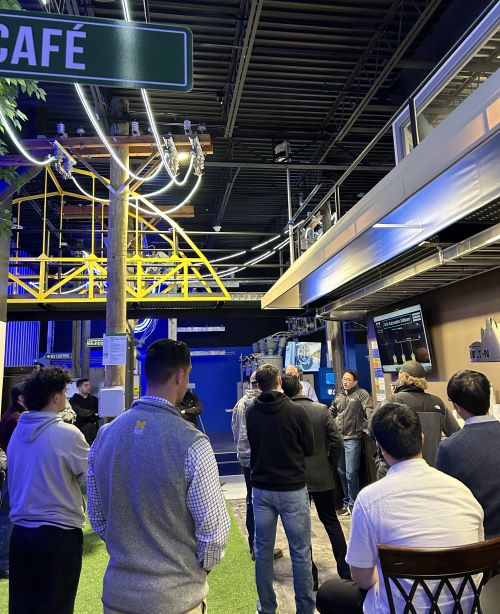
[{"x": 431, "y": 572}]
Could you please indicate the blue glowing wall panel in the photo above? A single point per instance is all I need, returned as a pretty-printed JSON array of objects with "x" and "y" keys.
[
  {"x": 22, "y": 343},
  {"x": 22, "y": 338}
]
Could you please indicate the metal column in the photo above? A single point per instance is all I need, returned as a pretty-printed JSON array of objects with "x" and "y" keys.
[
  {"x": 335, "y": 349},
  {"x": 290, "y": 215}
]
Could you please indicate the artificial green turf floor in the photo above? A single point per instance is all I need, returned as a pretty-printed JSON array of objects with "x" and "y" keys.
[{"x": 232, "y": 585}]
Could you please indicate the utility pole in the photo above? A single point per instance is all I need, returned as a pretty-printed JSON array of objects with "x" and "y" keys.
[
  {"x": 76, "y": 348},
  {"x": 85, "y": 350},
  {"x": 116, "y": 302}
]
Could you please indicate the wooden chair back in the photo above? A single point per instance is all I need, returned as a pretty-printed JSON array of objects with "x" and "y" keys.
[{"x": 432, "y": 570}]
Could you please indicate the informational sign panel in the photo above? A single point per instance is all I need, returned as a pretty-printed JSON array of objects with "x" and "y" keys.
[
  {"x": 73, "y": 49},
  {"x": 115, "y": 350},
  {"x": 94, "y": 342}
]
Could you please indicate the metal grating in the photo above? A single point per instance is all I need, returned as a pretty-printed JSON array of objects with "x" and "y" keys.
[{"x": 473, "y": 256}]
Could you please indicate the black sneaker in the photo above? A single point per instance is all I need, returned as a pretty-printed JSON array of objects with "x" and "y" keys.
[{"x": 346, "y": 511}]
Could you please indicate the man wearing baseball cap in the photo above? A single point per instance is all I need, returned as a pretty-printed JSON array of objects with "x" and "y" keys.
[{"x": 436, "y": 419}]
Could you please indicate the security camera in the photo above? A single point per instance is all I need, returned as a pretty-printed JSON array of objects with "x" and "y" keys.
[{"x": 187, "y": 126}]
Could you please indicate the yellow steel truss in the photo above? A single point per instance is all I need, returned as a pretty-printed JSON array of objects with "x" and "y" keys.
[{"x": 179, "y": 273}]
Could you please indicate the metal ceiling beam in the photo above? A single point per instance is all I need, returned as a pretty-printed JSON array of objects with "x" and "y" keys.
[
  {"x": 245, "y": 55},
  {"x": 225, "y": 198},
  {"x": 388, "y": 68},
  {"x": 360, "y": 65},
  {"x": 267, "y": 166}
]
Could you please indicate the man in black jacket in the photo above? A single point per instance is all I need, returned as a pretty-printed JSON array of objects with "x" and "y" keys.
[
  {"x": 190, "y": 407},
  {"x": 351, "y": 409},
  {"x": 280, "y": 436},
  {"x": 319, "y": 472},
  {"x": 435, "y": 417},
  {"x": 85, "y": 405}
]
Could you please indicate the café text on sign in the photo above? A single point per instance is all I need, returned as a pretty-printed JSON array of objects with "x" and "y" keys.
[{"x": 94, "y": 51}]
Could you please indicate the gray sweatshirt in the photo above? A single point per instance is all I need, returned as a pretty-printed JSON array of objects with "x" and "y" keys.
[{"x": 47, "y": 464}]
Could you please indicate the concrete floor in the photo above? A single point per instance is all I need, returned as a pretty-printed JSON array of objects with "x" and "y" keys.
[{"x": 234, "y": 491}]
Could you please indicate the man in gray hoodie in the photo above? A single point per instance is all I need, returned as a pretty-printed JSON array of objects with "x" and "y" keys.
[
  {"x": 47, "y": 465},
  {"x": 154, "y": 497}
]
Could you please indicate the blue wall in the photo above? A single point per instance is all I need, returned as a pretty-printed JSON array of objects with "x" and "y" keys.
[{"x": 215, "y": 379}]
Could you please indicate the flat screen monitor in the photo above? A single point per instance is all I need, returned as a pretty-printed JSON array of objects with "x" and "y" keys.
[
  {"x": 401, "y": 336},
  {"x": 304, "y": 354}
]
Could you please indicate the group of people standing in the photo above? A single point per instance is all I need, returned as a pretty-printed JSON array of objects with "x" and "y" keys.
[
  {"x": 290, "y": 448},
  {"x": 154, "y": 494}
]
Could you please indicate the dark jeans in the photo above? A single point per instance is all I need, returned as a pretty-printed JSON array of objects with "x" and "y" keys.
[
  {"x": 249, "y": 519},
  {"x": 5, "y": 529},
  {"x": 340, "y": 597},
  {"x": 45, "y": 565},
  {"x": 325, "y": 506}
]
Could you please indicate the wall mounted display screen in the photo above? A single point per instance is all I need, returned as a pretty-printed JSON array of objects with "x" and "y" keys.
[
  {"x": 401, "y": 336},
  {"x": 305, "y": 354}
]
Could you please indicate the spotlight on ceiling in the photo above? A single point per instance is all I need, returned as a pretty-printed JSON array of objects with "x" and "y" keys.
[{"x": 217, "y": 228}]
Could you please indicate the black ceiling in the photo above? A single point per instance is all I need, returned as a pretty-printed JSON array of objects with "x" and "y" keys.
[{"x": 324, "y": 75}]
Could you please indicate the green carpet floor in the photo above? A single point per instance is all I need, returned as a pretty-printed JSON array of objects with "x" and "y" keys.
[{"x": 232, "y": 585}]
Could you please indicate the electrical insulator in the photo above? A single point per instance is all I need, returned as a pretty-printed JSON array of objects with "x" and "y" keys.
[{"x": 61, "y": 129}]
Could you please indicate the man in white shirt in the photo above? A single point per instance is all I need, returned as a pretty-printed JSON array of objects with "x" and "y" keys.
[
  {"x": 307, "y": 390},
  {"x": 415, "y": 505}
]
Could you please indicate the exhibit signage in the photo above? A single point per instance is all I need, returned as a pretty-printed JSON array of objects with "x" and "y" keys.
[
  {"x": 94, "y": 51},
  {"x": 59, "y": 356},
  {"x": 94, "y": 342}
]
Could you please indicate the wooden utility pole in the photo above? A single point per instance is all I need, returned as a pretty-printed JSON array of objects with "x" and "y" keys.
[{"x": 116, "y": 303}]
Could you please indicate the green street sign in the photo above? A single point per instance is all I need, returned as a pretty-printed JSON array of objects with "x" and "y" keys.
[{"x": 93, "y": 51}]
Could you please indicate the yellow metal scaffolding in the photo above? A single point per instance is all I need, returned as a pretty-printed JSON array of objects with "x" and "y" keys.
[{"x": 179, "y": 272}]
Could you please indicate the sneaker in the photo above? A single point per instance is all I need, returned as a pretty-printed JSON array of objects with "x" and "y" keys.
[{"x": 346, "y": 511}]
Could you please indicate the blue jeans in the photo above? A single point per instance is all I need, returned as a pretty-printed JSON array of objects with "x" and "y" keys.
[
  {"x": 293, "y": 508},
  {"x": 348, "y": 469}
]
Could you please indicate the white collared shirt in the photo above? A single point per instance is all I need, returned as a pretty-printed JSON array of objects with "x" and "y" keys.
[{"x": 415, "y": 505}]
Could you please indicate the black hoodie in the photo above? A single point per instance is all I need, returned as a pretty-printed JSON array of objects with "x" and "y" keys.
[{"x": 280, "y": 434}]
